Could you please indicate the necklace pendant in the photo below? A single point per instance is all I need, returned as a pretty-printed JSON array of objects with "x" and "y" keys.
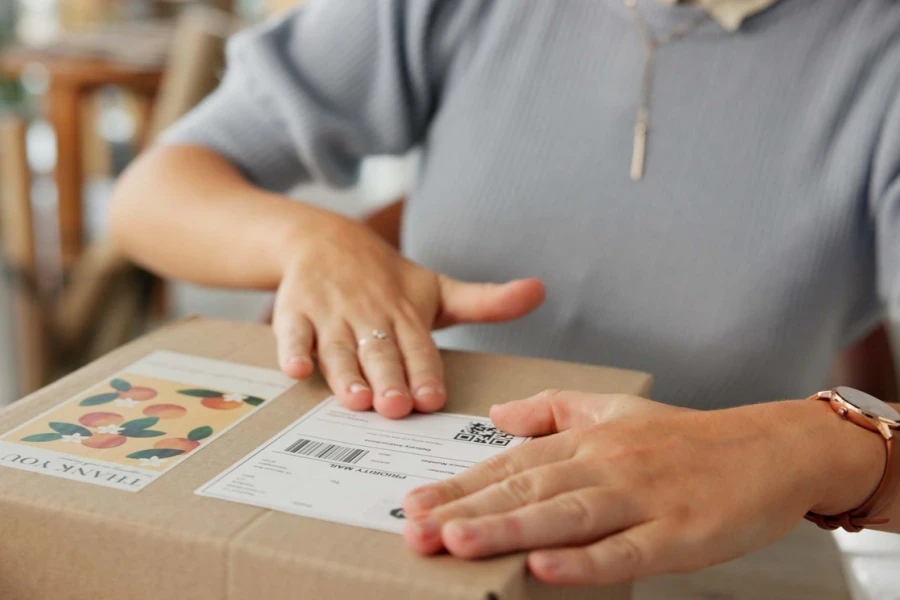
[
  {"x": 639, "y": 150},
  {"x": 651, "y": 43}
]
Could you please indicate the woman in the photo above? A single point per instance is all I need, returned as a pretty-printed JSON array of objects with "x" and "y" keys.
[{"x": 731, "y": 239}]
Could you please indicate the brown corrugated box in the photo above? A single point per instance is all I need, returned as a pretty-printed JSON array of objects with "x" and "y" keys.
[{"x": 67, "y": 540}]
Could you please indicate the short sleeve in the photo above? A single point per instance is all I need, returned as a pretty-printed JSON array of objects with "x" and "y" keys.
[{"x": 309, "y": 95}]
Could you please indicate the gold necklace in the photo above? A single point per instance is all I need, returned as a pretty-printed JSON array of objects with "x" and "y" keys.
[{"x": 651, "y": 43}]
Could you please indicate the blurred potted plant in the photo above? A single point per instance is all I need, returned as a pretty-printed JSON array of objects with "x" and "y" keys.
[{"x": 11, "y": 95}]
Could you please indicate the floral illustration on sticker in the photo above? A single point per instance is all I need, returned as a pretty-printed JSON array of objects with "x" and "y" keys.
[
  {"x": 186, "y": 444},
  {"x": 112, "y": 428},
  {"x": 124, "y": 395},
  {"x": 154, "y": 457},
  {"x": 101, "y": 419},
  {"x": 222, "y": 400},
  {"x": 111, "y": 431},
  {"x": 66, "y": 432},
  {"x": 104, "y": 441},
  {"x": 165, "y": 411},
  {"x": 140, "y": 428}
]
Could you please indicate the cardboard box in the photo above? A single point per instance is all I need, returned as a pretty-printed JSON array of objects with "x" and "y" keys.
[{"x": 69, "y": 540}]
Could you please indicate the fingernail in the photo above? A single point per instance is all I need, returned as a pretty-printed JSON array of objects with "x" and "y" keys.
[
  {"x": 428, "y": 390},
  {"x": 358, "y": 387},
  {"x": 463, "y": 530},
  {"x": 546, "y": 561},
  {"x": 296, "y": 360},
  {"x": 394, "y": 394},
  {"x": 427, "y": 527},
  {"x": 424, "y": 499}
]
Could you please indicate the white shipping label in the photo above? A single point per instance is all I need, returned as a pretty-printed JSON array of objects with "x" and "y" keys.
[{"x": 356, "y": 467}]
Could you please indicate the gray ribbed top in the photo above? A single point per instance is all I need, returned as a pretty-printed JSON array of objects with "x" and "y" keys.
[{"x": 762, "y": 239}]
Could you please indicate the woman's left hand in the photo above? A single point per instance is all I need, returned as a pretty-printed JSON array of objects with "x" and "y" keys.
[{"x": 630, "y": 488}]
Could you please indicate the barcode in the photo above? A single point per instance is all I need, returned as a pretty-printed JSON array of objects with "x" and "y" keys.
[
  {"x": 326, "y": 451},
  {"x": 483, "y": 433}
]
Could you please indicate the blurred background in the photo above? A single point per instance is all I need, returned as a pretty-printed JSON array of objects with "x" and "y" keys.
[{"x": 84, "y": 85}]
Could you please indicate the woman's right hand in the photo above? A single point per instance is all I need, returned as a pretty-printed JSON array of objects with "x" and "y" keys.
[{"x": 344, "y": 283}]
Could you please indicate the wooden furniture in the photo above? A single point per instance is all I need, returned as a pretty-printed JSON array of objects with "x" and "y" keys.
[
  {"x": 196, "y": 62},
  {"x": 18, "y": 249},
  {"x": 72, "y": 79},
  {"x": 102, "y": 305},
  {"x": 106, "y": 300}
]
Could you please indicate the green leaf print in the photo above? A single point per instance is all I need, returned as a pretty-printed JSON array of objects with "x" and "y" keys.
[
  {"x": 70, "y": 429},
  {"x": 198, "y": 393},
  {"x": 99, "y": 399},
  {"x": 157, "y": 452},
  {"x": 120, "y": 384},
  {"x": 42, "y": 437},
  {"x": 201, "y": 433}
]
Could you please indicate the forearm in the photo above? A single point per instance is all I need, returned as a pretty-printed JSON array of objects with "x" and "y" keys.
[{"x": 186, "y": 213}]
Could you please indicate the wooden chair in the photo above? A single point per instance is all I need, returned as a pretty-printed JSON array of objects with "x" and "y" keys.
[
  {"x": 106, "y": 300},
  {"x": 101, "y": 306},
  {"x": 17, "y": 231},
  {"x": 196, "y": 62}
]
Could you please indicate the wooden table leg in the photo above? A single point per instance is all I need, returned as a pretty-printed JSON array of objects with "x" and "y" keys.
[
  {"x": 65, "y": 114},
  {"x": 143, "y": 112},
  {"x": 32, "y": 352}
]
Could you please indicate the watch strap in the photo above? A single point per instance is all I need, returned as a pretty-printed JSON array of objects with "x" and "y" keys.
[{"x": 868, "y": 513}]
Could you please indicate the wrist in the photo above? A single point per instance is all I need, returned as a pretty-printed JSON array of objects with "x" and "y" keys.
[
  {"x": 846, "y": 462},
  {"x": 311, "y": 231}
]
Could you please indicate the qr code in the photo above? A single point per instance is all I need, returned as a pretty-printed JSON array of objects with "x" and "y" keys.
[{"x": 482, "y": 433}]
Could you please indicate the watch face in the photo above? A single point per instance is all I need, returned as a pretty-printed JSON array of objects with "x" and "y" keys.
[{"x": 868, "y": 404}]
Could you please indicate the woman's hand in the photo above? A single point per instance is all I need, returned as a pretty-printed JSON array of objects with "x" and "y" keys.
[
  {"x": 186, "y": 212},
  {"x": 343, "y": 282},
  {"x": 631, "y": 488}
]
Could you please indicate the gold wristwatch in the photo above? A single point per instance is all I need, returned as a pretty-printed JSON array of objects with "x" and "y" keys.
[{"x": 878, "y": 417}]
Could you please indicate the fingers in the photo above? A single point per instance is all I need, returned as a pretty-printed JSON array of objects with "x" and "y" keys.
[
  {"x": 527, "y": 487},
  {"x": 635, "y": 553},
  {"x": 567, "y": 519},
  {"x": 487, "y": 302},
  {"x": 424, "y": 368},
  {"x": 363, "y": 370},
  {"x": 295, "y": 336},
  {"x": 382, "y": 365},
  {"x": 552, "y": 411},
  {"x": 505, "y": 497},
  {"x": 338, "y": 361},
  {"x": 549, "y": 412},
  {"x": 527, "y": 456}
]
